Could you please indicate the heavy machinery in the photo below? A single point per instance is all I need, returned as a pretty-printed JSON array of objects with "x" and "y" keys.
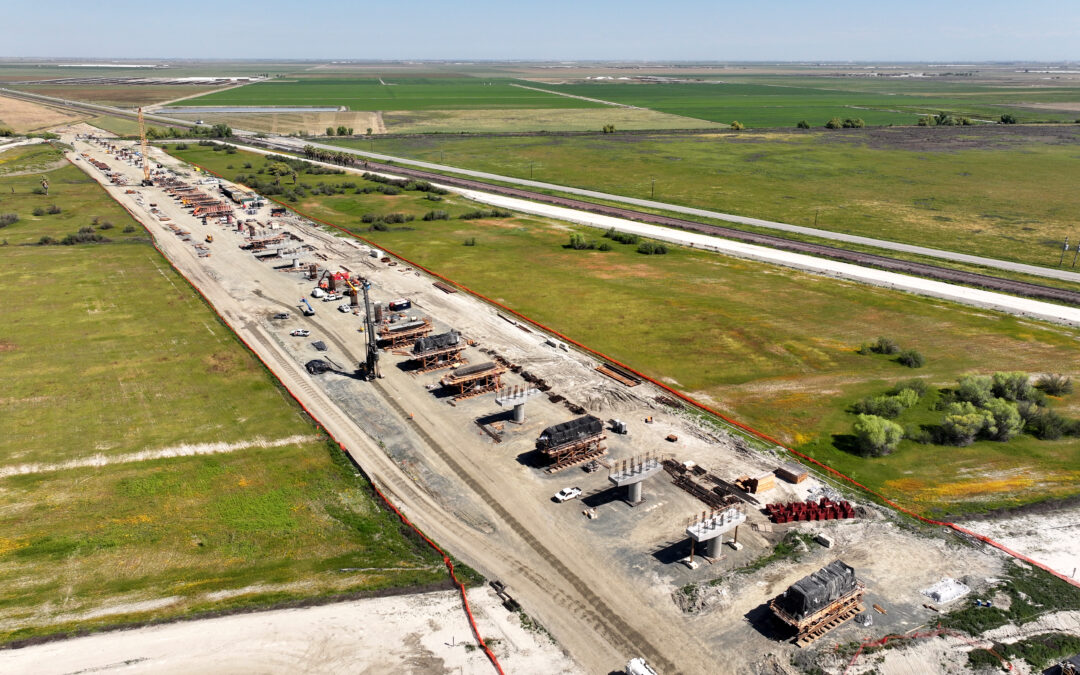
[
  {"x": 145, "y": 156},
  {"x": 308, "y": 311},
  {"x": 354, "y": 293},
  {"x": 371, "y": 365}
]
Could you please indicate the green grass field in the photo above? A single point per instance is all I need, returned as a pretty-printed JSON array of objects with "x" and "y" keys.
[
  {"x": 999, "y": 192},
  {"x": 765, "y": 102},
  {"x": 396, "y": 94},
  {"x": 106, "y": 351},
  {"x": 118, "y": 125},
  {"x": 773, "y": 347}
]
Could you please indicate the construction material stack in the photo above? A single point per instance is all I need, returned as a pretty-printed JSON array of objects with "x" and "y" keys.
[
  {"x": 474, "y": 380},
  {"x": 825, "y": 509},
  {"x": 572, "y": 443},
  {"x": 818, "y": 603},
  {"x": 394, "y": 335},
  {"x": 438, "y": 351}
]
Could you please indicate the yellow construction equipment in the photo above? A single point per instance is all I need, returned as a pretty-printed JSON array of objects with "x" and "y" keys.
[{"x": 145, "y": 156}]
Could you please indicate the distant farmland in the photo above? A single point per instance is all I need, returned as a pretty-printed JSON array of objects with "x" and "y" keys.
[
  {"x": 979, "y": 190},
  {"x": 399, "y": 94},
  {"x": 784, "y": 105}
]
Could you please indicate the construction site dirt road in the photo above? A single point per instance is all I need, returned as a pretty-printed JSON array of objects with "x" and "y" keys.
[{"x": 603, "y": 587}]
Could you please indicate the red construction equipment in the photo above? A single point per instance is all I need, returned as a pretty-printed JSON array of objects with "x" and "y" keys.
[{"x": 825, "y": 509}]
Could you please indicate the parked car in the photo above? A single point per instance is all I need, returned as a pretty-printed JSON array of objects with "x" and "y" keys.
[
  {"x": 281, "y": 315},
  {"x": 300, "y": 332},
  {"x": 345, "y": 309},
  {"x": 318, "y": 293},
  {"x": 330, "y": 297},
  {"x": 566, "y": 494}
]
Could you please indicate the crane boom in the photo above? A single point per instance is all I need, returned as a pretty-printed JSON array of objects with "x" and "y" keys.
[
  {"x": 371, "y": 366},
  {"x": 145, "y": 155}
]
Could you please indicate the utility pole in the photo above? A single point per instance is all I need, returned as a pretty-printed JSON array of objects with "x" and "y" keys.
[
  {"x": 1076, "y": 252},
  {"x": 652, "y": 189},
  {"x": 817, "y": 212},
  {"x": 531, "y": 170},
  {"x": 1063, "y": 249}
]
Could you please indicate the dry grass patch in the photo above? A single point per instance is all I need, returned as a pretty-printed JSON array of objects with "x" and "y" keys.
[
  {"x": 558, "y": 119},
  {"x": 26, "y": 117}
]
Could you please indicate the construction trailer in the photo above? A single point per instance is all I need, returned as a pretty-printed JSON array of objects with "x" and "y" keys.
[
  {"x": 474, "y": 380},
  {"x": 394, "y": 335},
  {"x": 571, "y": 443},
  {"x": 435, "y": 352},
  {"x": 818, "y": 603}
]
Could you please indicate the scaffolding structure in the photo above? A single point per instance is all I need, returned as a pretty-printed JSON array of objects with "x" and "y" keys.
[
  {"x": 438, "y": 351},
  {"x": 571, "y": 443},
  {"x": 395, "y": 335},
  {"x": 474, "y": 380}
]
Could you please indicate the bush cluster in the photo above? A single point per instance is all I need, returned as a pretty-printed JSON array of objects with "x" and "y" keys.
[
  {"x": 652, "y": 248},
  {"x": 485, "y": 213},
  {"x": 849, "y": 123},
  {"x": 8, "y": 219},
  {"x": 405, "y": 184},
  {"x": 436, "y": 215},
  {"x": 883, "y": 345},
  {"x": 622, "y": 237},
  {"x": 579, "y": 243}
]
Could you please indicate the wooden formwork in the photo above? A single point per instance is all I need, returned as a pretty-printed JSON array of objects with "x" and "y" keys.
[
  {"x": 397, "y": 339},
  {"x": 438, "y": 359},
  {"x": 474, "y": 384},
  {"x": 574, "y": 453}
]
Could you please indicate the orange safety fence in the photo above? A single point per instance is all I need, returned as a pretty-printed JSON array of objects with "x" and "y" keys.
[
  {"x": 446, "y": 558},
  {"x": 684, "y": 397},
  {"x": 881, "y": 642}
]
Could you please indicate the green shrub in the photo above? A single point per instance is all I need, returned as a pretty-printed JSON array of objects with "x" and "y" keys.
[
  {"x": 652, "y": 248},
  {"x": 912, "y": 358},
  {"x": 622, "y": 237},
  {"x": 1055, "y": 384},
  {"x": 876, "y": 436}
]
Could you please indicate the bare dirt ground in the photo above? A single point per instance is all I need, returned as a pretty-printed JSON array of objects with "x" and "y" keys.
[
  {"x": 1052, "y": 539},
  {"x": 23, "y": 116},
  {"x": 419, "y": 634},
  {"x": 606, "y": 587}
]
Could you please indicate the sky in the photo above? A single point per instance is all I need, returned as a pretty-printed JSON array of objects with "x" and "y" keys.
[{"x": 949, "y": 31}]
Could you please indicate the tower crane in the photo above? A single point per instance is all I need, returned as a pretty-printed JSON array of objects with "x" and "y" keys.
[{"x": 145, "y": 156}]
